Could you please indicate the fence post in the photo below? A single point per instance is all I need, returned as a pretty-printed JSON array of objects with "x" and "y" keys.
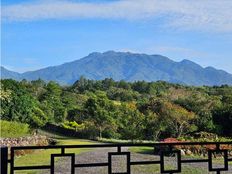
[{"x": 4, "y": 160}]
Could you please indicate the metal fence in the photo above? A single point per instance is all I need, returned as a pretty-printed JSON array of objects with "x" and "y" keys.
[{"x": 211, "y": 149}]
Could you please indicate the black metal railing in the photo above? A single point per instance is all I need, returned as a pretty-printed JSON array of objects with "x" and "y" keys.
[{"x": 211, "y": 148}]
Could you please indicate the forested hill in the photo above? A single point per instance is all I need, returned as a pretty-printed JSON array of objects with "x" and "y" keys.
[
  {"x": 123, "y": 110},
  {"x": 129, "y": 67}
]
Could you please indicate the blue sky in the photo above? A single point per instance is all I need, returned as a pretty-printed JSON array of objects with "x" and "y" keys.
[{"x": 41, "y": 33}]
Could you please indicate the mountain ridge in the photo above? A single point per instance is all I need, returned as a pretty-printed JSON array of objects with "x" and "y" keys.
[{"x": 127, "y": 66}]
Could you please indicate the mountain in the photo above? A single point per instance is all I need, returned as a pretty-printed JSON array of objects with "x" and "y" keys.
[
  {"x": 127, "y": 66},
  {"x": 5, "y": 73}
]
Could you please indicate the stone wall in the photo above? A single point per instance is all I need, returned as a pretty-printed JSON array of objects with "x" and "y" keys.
[{"x": 37, "y": 140}]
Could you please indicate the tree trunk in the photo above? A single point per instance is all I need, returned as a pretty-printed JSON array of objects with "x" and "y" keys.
[{"x": 100, "y": 132}]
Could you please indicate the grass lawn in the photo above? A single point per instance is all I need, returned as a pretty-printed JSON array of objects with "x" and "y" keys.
[
  {"x": 142, "y": 149},
  {"x": 42, "y": 157}
]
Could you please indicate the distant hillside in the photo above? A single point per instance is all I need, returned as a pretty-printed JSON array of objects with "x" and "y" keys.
[
  {"x": 7, "y": 74},
  {"x": 130, "y": 67}
]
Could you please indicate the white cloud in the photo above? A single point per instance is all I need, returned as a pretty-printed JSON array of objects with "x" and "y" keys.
[{"x": 213, "y": 15}]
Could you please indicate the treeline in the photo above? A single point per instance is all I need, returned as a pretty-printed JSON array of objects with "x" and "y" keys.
[{"x": 119, "y": 109}]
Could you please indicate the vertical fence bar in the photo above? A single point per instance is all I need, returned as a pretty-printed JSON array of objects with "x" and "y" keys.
[
  {"x": 4, "y": 160},
  {"x": 52, "y": 170},
  {"x": 217, "y": 146},
  {"x": 109, "y": 164},
  {"x": 62, "y": 150},
  {"x": 119, "y": 149},
  {"x": 12, "y": 160}
]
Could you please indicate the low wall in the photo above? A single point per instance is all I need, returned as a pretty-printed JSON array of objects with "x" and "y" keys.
[{"x": 37, "y": 140}]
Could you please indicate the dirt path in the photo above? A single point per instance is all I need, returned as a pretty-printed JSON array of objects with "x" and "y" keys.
[{"x": 101, "y": 155}]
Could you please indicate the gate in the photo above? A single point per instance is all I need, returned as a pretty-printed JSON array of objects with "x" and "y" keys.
[{"x": 210, "y": 149}]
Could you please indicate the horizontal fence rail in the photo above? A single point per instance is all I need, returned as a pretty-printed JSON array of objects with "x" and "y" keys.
[{"x": 164, "y": 148}]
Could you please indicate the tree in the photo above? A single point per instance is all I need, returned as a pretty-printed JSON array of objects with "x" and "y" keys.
[
  {"x": 5, "y": 98},
  {"x": 107, "y": 83},
  {"x": 181, "y": 120},
  {"x": 158, "y": 88},
  {"x": 38, "y": 118},
  {"x": 128, "y": 110},
  {"x": 131, "y": 123},
  {"x": 21, "y": 106},
  {"x": 223, "y": 119},
  {"x": 81, "y": 84},
  {"x": 37, "y": 88},
  {"x": 154, "y": 125},
  {"x": 52, "y": 100},
  {"x": 100, "y": 111},
  {"x": 123, "y": 84},
  {"x": 121, "y": 94},
  {"x": 168, "y": 117},
  {"x": 202, "y": 105},
  {"x": 140, "y": 86}
]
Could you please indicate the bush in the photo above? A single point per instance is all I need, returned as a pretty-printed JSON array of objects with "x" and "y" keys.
[
  {"x": 10, "y": 129},
  {"x": 72, "y": 125}
]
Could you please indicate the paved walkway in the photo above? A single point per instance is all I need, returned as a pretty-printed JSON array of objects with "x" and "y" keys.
[{"x": 101, "y": 155}]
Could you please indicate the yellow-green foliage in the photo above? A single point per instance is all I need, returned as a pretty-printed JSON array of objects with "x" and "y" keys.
[
  {"x": 73, "y": 125},
  {"x": 13, "y": 129}
]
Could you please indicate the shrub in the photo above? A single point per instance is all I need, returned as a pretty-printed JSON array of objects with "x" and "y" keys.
[
  {"x": 10, "y": 129},
  {"x": 73, "y": 125}
]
